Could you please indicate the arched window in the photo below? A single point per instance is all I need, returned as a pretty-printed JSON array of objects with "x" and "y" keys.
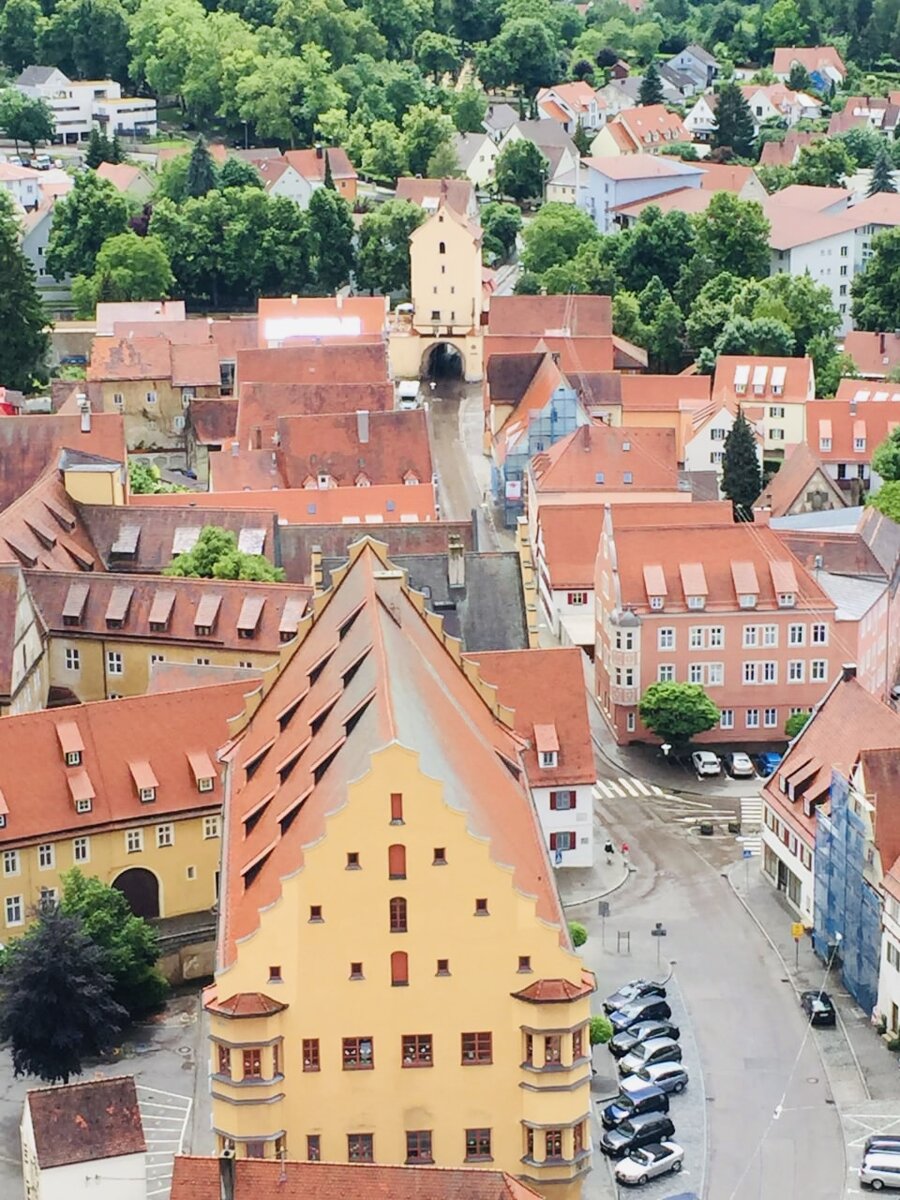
[
  {"x": 442, "y": 247},
  {"x": 398, "y": 915},
  {"x": 397, "y": 862},
  {"x": 399, "y": 969}
]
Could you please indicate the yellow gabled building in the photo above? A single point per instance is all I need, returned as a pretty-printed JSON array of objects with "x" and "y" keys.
[{"x": 395, "y": 977}]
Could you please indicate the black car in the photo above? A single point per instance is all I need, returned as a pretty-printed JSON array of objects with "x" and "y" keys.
[
  {"x": 636, "y": 990},
  {"x": 651, "y": 1008},
  {"x": 882, "y": 1143},
  {"x": 819, "y": 1008},
  {"x": 629, "y": 1038},
  {"x": 635, "y": 1098},
  {"x": 636, "y": 1132}
]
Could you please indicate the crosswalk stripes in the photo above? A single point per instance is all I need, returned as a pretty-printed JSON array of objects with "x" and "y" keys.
[{"x": 625, "y": 786}]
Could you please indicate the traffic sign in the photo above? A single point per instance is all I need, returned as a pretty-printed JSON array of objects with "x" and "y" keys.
[
  {"x": 796, "y": 931},
  {"x": 747, "y": 853}
]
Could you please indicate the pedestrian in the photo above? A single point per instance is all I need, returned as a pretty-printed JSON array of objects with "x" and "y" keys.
[
  {"x": 625, "y": 852},
  {"x": 610, "y": 850}
]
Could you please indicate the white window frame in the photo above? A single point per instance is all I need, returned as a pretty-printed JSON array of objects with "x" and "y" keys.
[
  {"x": 750, "y": 673},
  {"x": 83, "y": 804},
  {"x": 46, "y": 856},
  {"x": 796, "y": 635},
  {"x": 819, "y": 634},
  {"x": 630, "y": 722},
  {"x": 726, "y": 718},
  {"x": 796, "y": 670},
  {"x": 665, "y": 673},
  {"x": 165, "y": 835},
  {"x": 770, "y": 635},
  {"x": 715, "y": 674},
  {"x": 818, "y": 670},
  {"x": 751, "y": 637},
  {"x": 81, "y": 849},
  {"x": 770, "y": 672},
  {"x": 716, "y": 637},
  {"x": 134, "y": 841},
  {"x": 14, "y": 911},
  {"x": 695, "y": 673},
  {"x": 115, "y": 664},
  {"x": 665, "y": 638},
  {"x": 12, "y": 862},
  {"x": 770, "y": 718},
  {"x": 751, "y": 719},
  {"x": 656, "y": 602},
  {"x": 73, "y": 658},
  {"x": 212, "y": 827},
  {"x": 696, "y": 637},
  {"x": 697, "y": 603}
]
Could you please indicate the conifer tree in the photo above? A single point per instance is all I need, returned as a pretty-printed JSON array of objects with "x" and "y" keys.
[
  {"x": 734, "y": 121},
  {"x": 741, "y": 474},
  {"x": 651, "y": 91},
  {"x": 329, "y": 178},
  {"x": 23, "y": 318},
  {"x": 201, "y": 175},
  {"x": 882, "y": 180}
]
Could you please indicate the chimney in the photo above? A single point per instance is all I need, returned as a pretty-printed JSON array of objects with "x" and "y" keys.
[
  {"x": 362, "y": 426},
  {"x": 456, "y": 562},
  {"x": 235, "y": 449},
  {"x": 226, "y": 1175},
  {"x": 86, "y": 420},
  {"x": 881, "y": 343},
  {"x": 319, "y": 152},
  {"x": 585, "y": 437},
  {"x": 294, "y": 299},
  {"x": 853, "y": 407},
  {"x": 848, "y": 672}
]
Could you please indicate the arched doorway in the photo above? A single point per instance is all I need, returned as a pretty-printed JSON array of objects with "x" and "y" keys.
[
  {"x": 443, "y": 362},
  {"x": 141, "y": 889}
]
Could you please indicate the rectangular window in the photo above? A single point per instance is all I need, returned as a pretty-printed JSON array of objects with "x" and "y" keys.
[
  {"x": 796, "y": 670},
  {"x": 83, "y": 805},
  {"x": 206, "y": 785},
  {"x": 223, "y": 1060},
  {"x": 46, "y": 856},
  {"x": 440, "y": 857},
  {"x": 10, "y": 862},
  {"x": 776, "y": 412},
  {"x": 770, "y": 718},
  {"x": 81, "y": 849},
  {"x": 114, "y": 662},
  {"x": 478, "y": 1145},
  {"x": 696, "y": 637},
  {"x": 562, "y": 800},
  {"x": 396, "y": 808},
  {"x": 665, "y": 639},
  {"x": 665, "y": 673},
  {"x": 630, "y": 722},
  {"x": 134, "y": 841},
  {"x": 657, "y": 601},
  {"x": 73, "y": 659},
  {"x": 253, "y": 1063},
  {"x": 624, "y": 639},
  {"x": 715, "y": 674},
  {"x": 552, "y": 1049},
  {"x": 716, "y": 636},
  {"x": 770, "y": 635},
  {"x": 165, "y": 835},
  {"x": 443, "y": 966},
  {"x": 695, "y": 673},
  {"x": 360, "y": 1147},
  {"x": 796, "y": 635},
  {"x": 481, "y": 907},
  {"x": 353, "y": 861},
  {"x": 819, "y": 635},
  {"x": 696, "y": 602},
  {"x": 418, "y": 1146},
  {"x": 859, "y": 444},
  {"x": 356, "y": 970},
  {"x": 476, "y": 1049},
  {"x": 578, "y": 1138},
  {"x": 726, "y": 718},
  {"x": 313, "y": 1147},
  {"x": 786, "y": 599},
  {"x": 752, "y": 718},
  {"x": 577, "y": 1044},
  {"x": 751, "y": 634},
  {"x": 211, "y": 827},
  {"x": 553, "y": 1143},
  {"x": 577, "y": 599},
  {"x": 770, "y": 672},
  {"x": 359, "y": 1054},
  {"x": 818, "y": 670},
  {"x": 750, "y": 673},
  {"x": 315, "y": 912},
  {"x": 415, "y": 1050},
  {"x": 310, "y": 1054}
]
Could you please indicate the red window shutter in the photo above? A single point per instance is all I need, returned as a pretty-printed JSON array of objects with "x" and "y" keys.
[
  {"x": 399, "y": 968},
  {"x": 397, "y": 862},
  {"x": 396, "y": 806},
  {"x": 552, "y": 841},
  {"x": 571, "y": 799},
  {"x": 552, "y": 800}
]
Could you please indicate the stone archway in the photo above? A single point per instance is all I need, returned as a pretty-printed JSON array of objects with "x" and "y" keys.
[
  {"x": 140, "y": 888},
  {"x": 443, "y": 361}
]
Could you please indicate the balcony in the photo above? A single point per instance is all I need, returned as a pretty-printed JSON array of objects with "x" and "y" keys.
[
  {"x": 624, "y": 658},
  {"x": 620, "y": 694}
]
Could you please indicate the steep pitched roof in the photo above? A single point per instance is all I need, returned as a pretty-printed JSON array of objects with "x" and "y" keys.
[
  {"x": 881, "y": 775},
  {"x": 648, "y": 124},
  {"x": 782, "y": 154},
  {"x": 385, "y": 447},
  {"x": 508, "y": 375},
  {"x": 129, "y": 359},
  {"x": 347, "y": 362},
  {"x": 29, "y": 445},
  {"x": 842, "y": 432},
  {"x": 749, "y": 378},
  {"x": 121, "y": 175},
  {"x": 82, "y": 1122},
  {"x": 570, "y": 534},
  {"x": 542, "y": 315},
  {"x": 311, "y": 164},
  {"x": 798, "y": 468},
  {"x": 813, "y": 58},
  {"x": 457, "y": 194},
  {"x": 413, "y": 539},
  {"x": 198, "y": 1179},
  {"x": 214, "y": 421},
  {"x": 601, "y": 456},
  {"x": 545, "y": 381},
  {"x": 44, "y": 529},
  {"x": 875, "y": 354},
  {"x": 405, "y": 688},
  {"x": 261, "y": 404}
]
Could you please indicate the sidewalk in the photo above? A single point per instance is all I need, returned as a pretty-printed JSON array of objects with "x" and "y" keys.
[{"x": 581, "y": 885}]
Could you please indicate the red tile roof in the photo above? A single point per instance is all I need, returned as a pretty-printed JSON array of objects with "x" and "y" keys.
[
  {"x": 261, "y": 404},
  {"x": 130, "y": 358},
  {"x": 382, "y": 447},
  {"x": 570, "y": 534},
  {"x": 558, "y": 991},
  {"x": 581, "y": 354},
  {"x": 320, "y": 506},
  {"x": 545, "y": 687},
  {"x": 178, "y": 677},
  {"x": 10, "y": 589},
  {"x": 418, "y": 538},
  {"x": 313, "y": 316},
  {"x": 650, "y": 125},
  {"x": 545, "y": 381},
  {"x": 844, "y": 423},
  {"x": 881, "y": 776},
  {"x": 43, "y": 528},
  {"x": 214, "y": 421},
  {"x": 640, "y": 458},
  {"x": 457, "y": 194},
  {"x": 784, "y": 488},
  {"x": 246, "y": 1004},
  {"x": 782, "y": 154},
  {"x": 347, "y": 362},
  {"x": 198, "y": 1179},
  {"x": 576, "y": 316},
  {"x": 578, "y": 95},
  {"x": 669, "y": 393},
  {"x": 195, "y": 366},
  {"x": 84, "y": 1122},
  {"x": 875, "y": 354},
  {"x": 311, "y": 165},
  {"x": 794, "y": 377},
  {"x": 406, "y": 688},
  {"x": 31, "y": 444},
  {"x": 814, "y": 58}
]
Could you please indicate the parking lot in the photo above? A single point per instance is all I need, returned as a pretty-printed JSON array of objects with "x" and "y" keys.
[{"x": 687, "y": 1111}]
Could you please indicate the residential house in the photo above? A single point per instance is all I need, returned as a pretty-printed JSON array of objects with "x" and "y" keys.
[
  {"x": 321, "y": 320},
  {"x": 648, "y": 402},
  {"x": 374, "y": 745},
  {"x": 704, "y": 441},
  {"x": 677, "y": 86},
  {"x": 261, "y": 404},
  {"x": 847, "y": 721},
  {"x": 700, "y": 118},
  {"x": 37, "y": 225},
  {"x": 106, "y": 630},
  {"x": 623, "y": 93},
  {"x": 778, "y": 389},
  {"x": 129, "y": 180},
  {"x": 784, "y": 153},
  {"x": 545, "y": 689},
  {"x": 78, "y": 106},
  {"x": 696, "y": 62},
  {"x": 458, "y": 195},
  {"x": 476, "y": 154},
  {"x": 642, "y": 130},
  {"x": 22, "y": 183},
  {"x": 846, "y": 434},
  {"x": 823, "y": 63},
  {"x": 84, "y": 1139},
  {"x": 616, "y": 180},
  {"x": 305, "y": 548},
  {"x": 23, "y": 663},
  {"x": 711, "y": 602},
  {"x": 775, "y": 102},
  {"x": 564, "y": 546},
  {"x": 127, "y": 792},
  {"x": 279, "y": 178},
  {"x": 888, "y": 1000},
  {"x": 151, "y": 382},
  {"x": 211, "y": 425},
  {"x": 875, "y": 355},
  {"x": 315, "y": 360},
  {"x": 571, "y": 105},
  {"x": 801, "y": 484},
  {"x": 29, "y": 445},
  {"x": 498, "y": 119},
  {"x": 253, "y": 1179},
  {"x": 310, "y": 165},
  {"x": 557, "y": 147},
  {"x": 860, "y": 112},
  {"x": 111, "y": 312}
]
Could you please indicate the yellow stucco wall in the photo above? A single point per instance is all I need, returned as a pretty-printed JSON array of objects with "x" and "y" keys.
[
  {"x": 408, "y": 354},
  {"x": 96, "y": 486},
  {"x": 323, "y": 1002},
  {"x": 445, "y": 276}
]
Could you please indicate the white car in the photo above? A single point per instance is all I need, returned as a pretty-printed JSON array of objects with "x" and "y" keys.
[
  {"x": 880, "y": 1171},
  {"x": 706, "y": 763},
  {"x": 648, "y": 1162}
]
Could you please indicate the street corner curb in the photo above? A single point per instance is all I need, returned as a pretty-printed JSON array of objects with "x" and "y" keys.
[{"x": 628, "y": 871}]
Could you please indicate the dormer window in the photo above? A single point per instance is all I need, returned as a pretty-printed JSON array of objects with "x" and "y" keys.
[
  {"x": 825, "y": 443},
  {"x": 549, "y": 758},
  {"x": 747, "y": 601},
  {"x": 148, "y": 795},
  {"x": 696, "y": 602},
  {"x": 324, "y": 481},
  {"x": 73, "y": 758},
  {"x": 83, "y": 805},
  {"x": 656, "y": 602},
  {"x": 205, "y": 785},
  {"x": 786, "y": 599},
  {"x": 859, "y": 443}
]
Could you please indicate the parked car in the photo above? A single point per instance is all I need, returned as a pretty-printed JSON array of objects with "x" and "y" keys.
[
  {"x": 884, "y": 1143},
  {"x": 43, "y": 162},
  {"x": 657, "y": 1050},
  {"x": 706, "y": 763},
  {"x": 659, "y": 1158},
  {"x": 767, "y": 762},
  {"x": 629, "y": 1038},
  {"x": 670, "y": 1076},
  {"x": 73, "y": 360},
  {"x": 646, "y": 1130},
  {"x": 636, "y": 990},
  {"x": 635, "y": 1098},
  {"x": 739, "y": 766},
  {"x": 877, "y": 1171},
  {"x": 818, "y": 1007},
  {"x": 651, "y": 1008}
]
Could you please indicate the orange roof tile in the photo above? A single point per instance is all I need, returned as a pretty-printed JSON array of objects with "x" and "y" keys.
[
  {"x": 571, "y": 534},
  {"x": 111, "y": 311},
  {"x": 85, "y": 1122},
  {"x": 577, "y": 316},
  {"x": 129, "y": 358},
  {"x": 44, "y": 528},
  {"x": 384, "y": 447},
  {"x": 246, "y": 1004},
  {"x": 457, "y": 194},
  {"x": 284, "y": 317},
  {"x": 737, "y": 377},
  {"x": 347, "y": 362},
  {"x": 792, "y": 477},
  {"x": 557, "y": 991},
  {"x": 599, "y": 456},
  {"x": 387, "y": 503},
  {"x": 814, "y": 58},
  {"x": 121, "y": 175},
  {"x": 31, "y": 444},
  {"x": 545, "y": 381},
  {"x": 195, "y": 366},
  {"x": 836, "y": 420},
  {"x": 214, "y": 421},
  {"x": 311, "y": 165},
  {"x": 261, "y": 404},
  {"x": 881, "y": 776},
  {"x": 650, "y": 125},
  {"x": 875, "y": 354}
]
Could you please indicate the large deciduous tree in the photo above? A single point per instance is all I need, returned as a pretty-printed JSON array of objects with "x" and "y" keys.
[
  {"x": 128, "y": 267},
  {"x": 734, "y": 121},
  {"x": 331, "y": 234},
  {"x": 23, "y": 318},
  {"x": 56, "y": 999},
  {"x": 92, "y": 212},
  {"x": 25, "y": 119},
  {"x": 741, "y": 474},
  {"x": 424, "y": 129},
  {"x": 383, "y": 259},
  {"x": 215, "y": 555},
  {"x": 677, "y": 712},
  {"x": 887, "y": 500},
  {"x": 555, "y": 236},
  {"x": 876, "y": 289},
  {"x": 520, "y": 171},
  {"x": 524, "y": 54},
  {"x": 886, "y": 457},
  {"x": 21, "y": 23},
  {"x": 501, "y": 224},
  {"x": 733, "y": 235}
]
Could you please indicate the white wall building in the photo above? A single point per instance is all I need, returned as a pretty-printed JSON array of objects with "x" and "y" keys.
[
  {"x": 610, "y": 181},
  {"x": 78, "y": 106},
  {"x": 22, "y": 183},
  {"x": 889, "y": 973}
]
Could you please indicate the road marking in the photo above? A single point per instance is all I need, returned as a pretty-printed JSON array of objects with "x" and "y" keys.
[
  {"x": 657, "y": 791},
  {"x": 626, "y": 784}
]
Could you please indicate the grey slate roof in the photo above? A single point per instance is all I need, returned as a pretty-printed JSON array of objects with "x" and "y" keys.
[
  {"x": 32, "y": 76},
  {"x": 467, "y": 146},
  {"x": 499, "y": 117}
]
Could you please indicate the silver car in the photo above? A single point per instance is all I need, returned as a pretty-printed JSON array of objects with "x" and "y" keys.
[
  {"x": 880, "y": 1171},
  {"x": 649, "y": 1161},
  {"x": 670, "y": 1076},
  {"x": 656, "y": 1050}
]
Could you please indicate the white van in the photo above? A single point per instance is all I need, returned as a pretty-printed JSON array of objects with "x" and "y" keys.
[
  {"x": 881, "y": 1171},
  {"x": 408, "y": 393}
]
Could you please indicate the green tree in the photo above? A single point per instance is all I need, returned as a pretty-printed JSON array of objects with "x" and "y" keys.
[
  {"x": 658, "y": 244},
  {"x": 88, "y": 39},
  {"x": 383, "y": 258},
  {"x": 520, "y": 171},
  {"x": 762, "y": 335},
  {"x": 201, "y": 172},
  {"x": 804, "y": 306},
  {"x": 145, "y": 479},
  {"x": 711, "y": 311},
  {"x": 469, "y": 108},
  {"x": 23, "y": 318},
  {"x": 733, "y": 235},
  {"x": 882, "y": 178},
  {"x": 525, "y": 54},
  {"x": 578, "y": 933},
  {"x": 98, "y": 150},
  {"x": 798, "y": 80},
  {"x": 886, "y": 457},
  {"x": 215, "y": 555},
  {"x": 385, "y": 154},
  {"x": 651, "y": 89},
  {"x": 437, "y": 54},
  {"x": 56, "y": 999},
  {"x": 795, "y": 723},
  {"x": 734, "y": 121},
  {"x": 92, "y": 212},
  {"x": 741, "y": 474},
  {"x": 501, "y": 225},
  {"x": 444, "y": 163},
  {"x": 423, "y": 130},
  {"x": 128, "y": 267},
  {"x": 887, "y": 500},
  {"x": 665, "y": 338},
  {"x": 555, "y": 235},
  {"x": 237, "y": 173},
  {"x": 601, "y": 1029},
  {"x": 24, "y": 119},
  {"x": 128, "y": 943},
  {"x": 676, "y": 712},
  {"x": 332, "y": 234},
  {"x": 825, "y": 163},
  {"x": 784, "y": 26},
  {"x": 400, "y": 22},
  {"x": 21, "y": 23},
  {"x": 876, "y": 289}
]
